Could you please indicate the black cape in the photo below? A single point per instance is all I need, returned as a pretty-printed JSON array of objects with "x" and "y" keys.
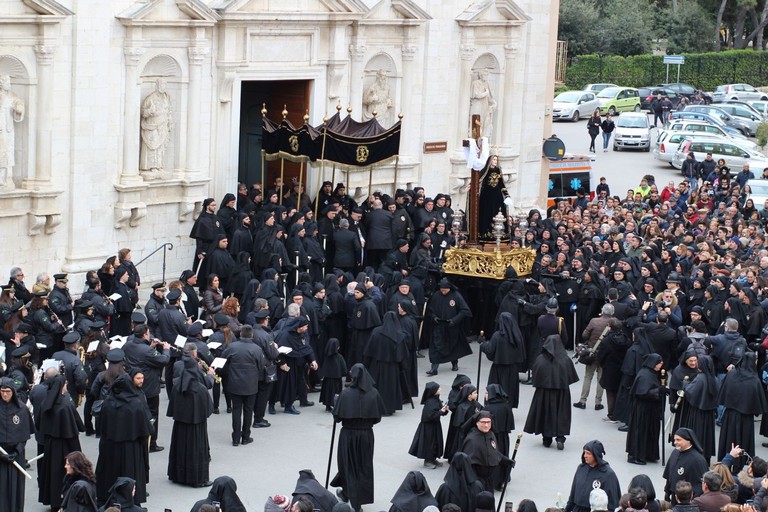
[
  {"x": 413, "y": 495},
  {"x": 308, "y": 487},
  {"x": 121, "y": 494},
  {"x": 223, "y": 490},
  {"x": 384, "y": 356},
  {"x": 460, "y": 485},
  {"x": 506, "y": 349},
  {"x": 427, "y": 442}
]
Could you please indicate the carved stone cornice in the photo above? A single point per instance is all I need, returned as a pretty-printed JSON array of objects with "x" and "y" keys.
[
  {"x": 467, "y": 51},
  {"x": 357, "y": 51},
  {"x": 408, "y": 51},
  {"x": 44, "y": 53},
  {"x": 197, "y": 54},
  {"x": 133, "y": 54}
]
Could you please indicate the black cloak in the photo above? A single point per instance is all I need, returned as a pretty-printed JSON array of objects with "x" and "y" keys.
[
  {"x": 308, "y": 487},
  {"x": 492, "y": 194},
  {"x": 506, "y": 349},
  {"x": 587, "y": 478},
  {"x": 460, "y": 485},
  {"x": 220, "y": 262},
  {"x": 223, "y": 490},
  {"x": 365, "y": 316},
  {"x": 121, "y": 494},
  {"x": 16, "y": 427},
  {"x": 483, "y": 451},
  {"x": 464, "y": 411},
  {"x": 413, "y": 495},
  {"x": 449, "y": 314},
  {"x": 698, "y": 411},
  {"x": 645, "y": 412},
  {"x": 427, "y": 442},
  {"x": 384, "y": 356},
  {"x": 689, "y": 465}
]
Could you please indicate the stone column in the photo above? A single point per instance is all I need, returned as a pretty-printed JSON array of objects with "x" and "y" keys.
[
  {"x": 467, "y": 53},
  {"x": 131, "y": 117},
  {"x": 357, "y": 52},
  {"x": 43, "y": 129},
  {"x": 510, "y": 102},
  {"x": 410, "y": 135},
  {"x": 196, "y": 56}
]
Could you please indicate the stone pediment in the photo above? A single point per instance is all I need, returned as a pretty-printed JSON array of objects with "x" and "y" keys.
[
  {"x": 307, "y": 7},
  {"x": 397, "y": 10},
  {"x": 161, "y": 12},
  {"x": 493, "y": 13},
  {"x": 27, "y": 8}
]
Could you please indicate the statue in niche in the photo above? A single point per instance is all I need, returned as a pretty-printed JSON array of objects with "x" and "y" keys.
[
  {"x": 377, "y": 98},
  {"x": 156, "y": 125},
  {"x": 11, "y": 111},
  {"x": 481, "y": 107}
]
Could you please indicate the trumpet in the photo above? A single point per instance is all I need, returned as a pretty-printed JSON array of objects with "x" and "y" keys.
[{"x": 204, "y": 366}]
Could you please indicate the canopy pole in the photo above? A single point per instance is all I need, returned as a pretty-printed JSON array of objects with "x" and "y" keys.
[
  {"x": 333, "y": 175},
  {"x": 370, "y": 180},
  {"x": 282, "y": 175},
  {"x": 301, "y": 174},
  {"x": 321, "y": 171},
  {"x": 397, "y": 161},
  {"x": 263, "y": 155}
]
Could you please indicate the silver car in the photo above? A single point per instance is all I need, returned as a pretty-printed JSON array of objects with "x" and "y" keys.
[
  {"x": 633, "y": 130},
  {"x": 746, "y": 114},
  {"x": 668, "y": 141},
  {"x": 744, "y": 92},
  {"x": 596, "y": 88},
  {"x": 703, "y": 127},
  {"x": 573, "y": 105},
  {"x": 734, "y": 154}
]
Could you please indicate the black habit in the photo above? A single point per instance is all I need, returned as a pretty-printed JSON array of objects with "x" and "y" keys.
[
  {"x": 384, "y": 357},
  {"x": 16, "y": 427},
  {"x": 413, "y": 495},
  {"x": 460, "y": 485},
  {"x": 427, "y": 442},
  {"x": 506, "y": 349},
  {"x": 647, "y": 402}
]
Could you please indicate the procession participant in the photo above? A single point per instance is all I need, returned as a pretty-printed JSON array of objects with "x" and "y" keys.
[
  {"x": 427, "y": 442},
  {"x": 384, "y": 357},
  {"x": 16, "y": 427},
  {"x": 593, "y": 472},
  {"x": 686, "y": 463},
  {"x": 482, "y": 448},
  {"x": 700, "y": 406},
  {"x": 647, "y": 396},
  {"x": 449, "y": 312},
  {"x": 506, "y": 349}
]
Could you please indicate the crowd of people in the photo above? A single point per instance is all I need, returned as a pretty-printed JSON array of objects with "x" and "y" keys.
[{"x": 662, "y": 295}]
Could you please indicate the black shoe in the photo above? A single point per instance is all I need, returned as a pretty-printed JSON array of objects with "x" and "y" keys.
[
  {"x": 624, "y": 428},
  {"x": 291, "y": 410},
  {"x": 527, "y": 382},
  {"x": 340, "y": 494},
  {"x": 156, "y": 448},
  {"x": 546, "y": 442},
  {"x": 315, "y": 389},
  {"x": 247, "y": 440},
  {"x": 455, "y": 367},
  {"x": 271, "y": 409},
  {"x": 560, "y": 445},
  {"x": 229, "y": 410},
  {"x": 89, "y": 433},
  {"x": 599, "y": 407},
  {"x": 431, "y": 373},
  {"x": 216, "y": 411},
  {"x": 633, "y": 460},
  {"x": 235, "y": 443},
  {"x": 307, "y": 404},
  {"x": 262, "y": 424},
  {"x": 430, "y": 464},
  {"x": 580, "y": 405},
  {"x": 765, "y": 445},
  {"x": 419, "y": 355}
]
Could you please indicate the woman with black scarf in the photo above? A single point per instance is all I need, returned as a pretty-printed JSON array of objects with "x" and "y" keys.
[
  {"x": 125, "y": 425},
  {"x": 16, "y": 427},
  {"x": 688, "y": 367},
  {"x": 413, "y": 495},
  {"x": 78, "y": 492},
  {"x": 550, "y": 412},
  {"x": 647, "y": 402},
  {"x": 466, "y": 407},
  {"x": 427, "y": 442},
  {"x": 384, "y": 356},
  {"x": 699, "y": 408},
  {"x": 496, "y": 403},
  {"x": 358, "y": 408},
  {"x": 59, "y": 425}
]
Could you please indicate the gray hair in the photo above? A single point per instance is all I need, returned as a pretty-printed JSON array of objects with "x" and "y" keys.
[
  {"x": 293, "y": 310},
  {"x": 260, "y": 304},
  {"x": 607, "y": 310},
  {"x": 42, "y": 277},
  {"x": 189, "y": 349},
  {"x": 344, "y": 224},
  {"x": 16, "y": 271},
  {"x": 731, "y": 324}
]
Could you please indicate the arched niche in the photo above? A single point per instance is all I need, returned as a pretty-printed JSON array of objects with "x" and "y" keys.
[
  {"x": 380, "y": 68},
  {"x": 21, "y": 85},
  {"x": 486, "y": 68},
  {"x": 167, "y": 68}
]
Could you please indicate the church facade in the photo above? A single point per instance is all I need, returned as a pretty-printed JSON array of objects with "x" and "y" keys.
[{"x": 122, "y": 116}]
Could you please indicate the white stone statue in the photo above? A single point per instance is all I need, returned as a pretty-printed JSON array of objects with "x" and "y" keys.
[
  {"x": 481, "y": 107},
  {"x": 377, "y": 98},
  {"x": 156, "y": 125},
  {"x": 11, "y": 111}
]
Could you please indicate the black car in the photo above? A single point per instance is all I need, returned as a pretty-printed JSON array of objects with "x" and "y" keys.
[
  {"x": 688, "y": 91},
  {"x": 648, "y": 93}
]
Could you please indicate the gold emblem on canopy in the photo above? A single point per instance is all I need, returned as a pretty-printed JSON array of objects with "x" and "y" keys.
[{"x": 490, "y": 265}]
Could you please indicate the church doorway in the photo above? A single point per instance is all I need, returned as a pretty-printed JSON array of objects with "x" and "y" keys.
[{"x": 295, "y": 95}]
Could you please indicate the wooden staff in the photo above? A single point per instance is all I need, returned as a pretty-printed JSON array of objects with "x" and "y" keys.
[
  {"x": 370, "y": 180},
  {"x": 512, "y": 459},
  {"x": 301, "y": 175},
  {"x": 480, "y": 340},
  {"x": 282, "y": 175},
  {"x": 321, "y": 171},
  {"x": 663, "y": 413}
]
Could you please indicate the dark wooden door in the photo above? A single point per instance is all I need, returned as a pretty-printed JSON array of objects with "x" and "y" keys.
[{"x": 291, "y": 94}]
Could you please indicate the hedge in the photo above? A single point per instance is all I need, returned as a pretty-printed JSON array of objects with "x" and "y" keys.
[{"x": 703, "y": 70}]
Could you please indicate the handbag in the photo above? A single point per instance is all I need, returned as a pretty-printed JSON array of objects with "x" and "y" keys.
[{"x": 586, "y": 355}]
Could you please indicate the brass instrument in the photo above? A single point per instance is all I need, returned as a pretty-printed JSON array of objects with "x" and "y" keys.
[
  {"x": 81, "y": 353},
  {"x": 204, "y": 366}
]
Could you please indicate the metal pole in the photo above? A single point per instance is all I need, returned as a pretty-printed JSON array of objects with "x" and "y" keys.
[
  {"x": 263, "y": 157},
  {"x": 663, "y": 413},
  {"x": 330, "y": 455},
  {"x": 165, "y": 248},
  {"x": 321, "y": 171},
  {"x": 370, "y": 180},
  {"x": 394, "y": 186},
  {"x": 282, "y": 175}
]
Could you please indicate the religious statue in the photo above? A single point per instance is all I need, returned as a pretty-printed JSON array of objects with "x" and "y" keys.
[
  {"x": 494, "y": 198},
  {"x": 481, "y": 107},
  {"x": 156, "y": 125},
  {"x": 11, "y": 111},
  {"x": 377, "y": 98}
]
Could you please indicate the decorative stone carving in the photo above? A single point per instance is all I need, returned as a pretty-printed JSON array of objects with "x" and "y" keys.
[
  {"x": 36, "y": 224},
  {"x": 335, "y": 74},
  {"x": 11, "y": 112},
  {"x": 197, "y": 54},
  {"x": 481, "y": 106},
  {"x": 187, "y": 207},
  {"x": 466, "y": 51},
  {"x": 358, "y": 51},
  {"x": 129, "y": 215},
  {"x": 133, "y": 54},
  {"x": 44, "y": 54},
  {"x": 156, "y": 125},
  {"x": 408, "y": 51},
  {"x": 51, "y": 223},
  {"x": 377, "y": 100}
]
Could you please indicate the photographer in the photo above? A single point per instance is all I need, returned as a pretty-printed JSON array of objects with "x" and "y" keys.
[{"x": 667, "y": 302}]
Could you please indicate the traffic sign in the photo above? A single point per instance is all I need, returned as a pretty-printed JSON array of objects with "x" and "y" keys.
[{"x": 674, "y": 59}]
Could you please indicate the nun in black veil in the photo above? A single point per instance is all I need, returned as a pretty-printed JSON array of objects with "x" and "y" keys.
[
  {"x": 700, "y": 406},
  {"x": 647, "y": 402}
]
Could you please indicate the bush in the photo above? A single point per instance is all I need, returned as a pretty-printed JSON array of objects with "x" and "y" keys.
[{"x": 762, "y": 135}]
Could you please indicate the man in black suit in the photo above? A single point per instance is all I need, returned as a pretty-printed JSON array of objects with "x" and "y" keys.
[
  {"x": 347, "y": 247},
  {"x": 245, "y": 361}
]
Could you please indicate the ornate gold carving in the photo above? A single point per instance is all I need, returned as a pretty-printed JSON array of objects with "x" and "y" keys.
[
  {"x": 294, "y": 142},
  {"x": 493, "y": 179},
  {"x": 362, "y": 154},
  {"x": 490, "y": 265}
]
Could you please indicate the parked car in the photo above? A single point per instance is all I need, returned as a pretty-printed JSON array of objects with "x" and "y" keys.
[
  {"x": 687, "y": 114},
  {"x": 688, "y": 91},
  {"x": 619, "y": 99},
  {"x": 668, "y": 141},
  {"x": 745, "y": 114},
  {"x": 727, "y": 118},
  {"x": 761, "y": 106},
  {"x": 596, "y": 88},
  {"x": 747, "y": 105},
  {"x": 633, "y": 130},
  {"x": 648, "y": 93},
  {"x": 735, "y": 154},
  {"x": 574, "y": 105},
  {"x": 738, "y": 92},
  {"x": 702, "y": 127},
  {"x": 759, "y": 191}
]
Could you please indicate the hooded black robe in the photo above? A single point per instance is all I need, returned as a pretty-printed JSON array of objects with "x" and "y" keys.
[
  {"x": 308, "y": 487},
  {"x": 190, "y": 407},
  {"x": 120, "y": 493},
  {"x": 689, "y": 465},
  {"x": 301, "y": 355},
  {"x": 220, "y": 262},
  {"x": 633, "y": 361},
  {"x": 484, "y": 455},
  {"x": 743, "y": 396},
  {"x": 552, "y": 373},
  {"x": 464, "y": 411},
  {"x": 589, "y": 477},
  {"x": 647, "y": 402},
  {"x": 460, "y": 485},
  {"x": 700, "y": 406},
  {"x": 506, "y": 349},
  {"x": 449, "y": 315},
  {"x": 358, "y": 408},
  {"x": 384, "y": 356},
  {"x": 497, "y": 404},
  {"x": 223, "y": 490},
  {"x": 204, "y": 231},
  {"x": 427, "y": 442},
  {"x": 333, "y": 370},
  {"x": 677, "y": 379},
  {"x": 413, "y": 495},
  {"x": 365, "y": 316},
  {"x": 409, "y": 326},
  {"x": 125, "y": 424},
  {"x": 492, "y": 194},
  {"x": 59, "y": 425},
  {"x": 16, "y": 427}
]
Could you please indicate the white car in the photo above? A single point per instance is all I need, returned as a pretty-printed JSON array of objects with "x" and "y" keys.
[
  {"x": 759, "y": 192},
  {"x": 596, "y": 88},
  {"x": 744, "y": 92},
  {"x": 761, "y": 106},
  {"x": 632, "y": 131},
  {"x": 668, "y": 141},
  {"x": 734, "y": 154},
  {"x": 574, "y": 105},
  {"x": 702, "y": 127}
]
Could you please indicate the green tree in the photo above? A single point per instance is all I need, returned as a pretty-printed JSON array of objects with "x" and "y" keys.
[
  {"x": 624, "y": 28},
  {"x": 578, "y": 24},
  {"x": 687, "y": 26}
]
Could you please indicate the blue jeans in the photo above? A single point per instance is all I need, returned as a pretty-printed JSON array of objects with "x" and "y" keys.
[{"x": 606, "y": 139}]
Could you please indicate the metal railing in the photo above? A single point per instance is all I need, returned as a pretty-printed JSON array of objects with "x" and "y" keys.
[{"x": 167, "y": 246}]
